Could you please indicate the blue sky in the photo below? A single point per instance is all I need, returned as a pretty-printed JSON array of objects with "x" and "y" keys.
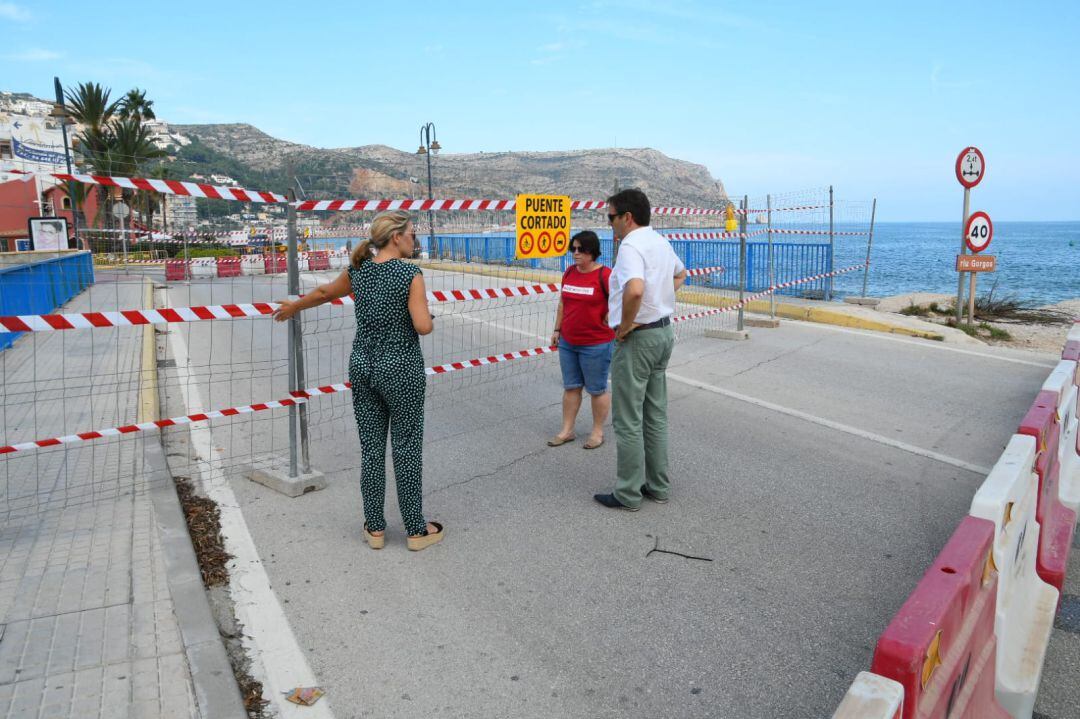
[{"x": 771, "y": 97}]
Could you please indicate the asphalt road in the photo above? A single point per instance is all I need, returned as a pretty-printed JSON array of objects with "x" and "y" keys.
[{"x": 816, "y": 474}]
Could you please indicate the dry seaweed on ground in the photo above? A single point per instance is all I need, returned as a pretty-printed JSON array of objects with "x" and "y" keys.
[
  {"x": 252, "y": 692},
  {"x": 1010, "y": 308},
  {"x": 204, "y": 526}
]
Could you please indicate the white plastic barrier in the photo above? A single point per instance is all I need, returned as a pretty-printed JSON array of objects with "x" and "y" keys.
[
  {"x": 1074, "y": 333},
  {"x": 203, "y": 268},
  {"x": 1062, "y": 383},
  {"x": 338, "y": 262},
  {"x": 871, "y": 697},
  {"x": 1025, "y": 603},
  {"x": 253, "y": 266}
]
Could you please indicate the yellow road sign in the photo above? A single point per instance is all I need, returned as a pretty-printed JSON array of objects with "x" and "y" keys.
[{"x": 543, "y": 226}]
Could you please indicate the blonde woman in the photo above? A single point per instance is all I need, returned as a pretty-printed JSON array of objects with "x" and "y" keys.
[{"x": 386, "y": 370}]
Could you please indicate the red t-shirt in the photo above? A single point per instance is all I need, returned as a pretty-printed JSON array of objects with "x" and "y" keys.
[{"x": 585, "y": 304}]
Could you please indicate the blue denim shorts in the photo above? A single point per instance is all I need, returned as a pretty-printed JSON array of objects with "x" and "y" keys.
[{"x": 585, "y": 366}]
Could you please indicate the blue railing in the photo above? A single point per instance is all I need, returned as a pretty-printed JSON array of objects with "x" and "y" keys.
[
  {"x": 790, "y": 260},
  {"x": 38, "y": 288}
]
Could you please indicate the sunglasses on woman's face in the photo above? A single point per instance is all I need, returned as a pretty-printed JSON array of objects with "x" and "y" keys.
[{"x": 576, "y": 250}]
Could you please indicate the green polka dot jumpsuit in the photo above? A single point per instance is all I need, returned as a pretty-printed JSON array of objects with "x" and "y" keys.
[{"x": 388, "y": 383}]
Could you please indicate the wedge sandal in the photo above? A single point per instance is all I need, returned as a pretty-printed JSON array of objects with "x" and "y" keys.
[
  {"x": 416, "y": 542},
  {"x": 374, "y": 541}
]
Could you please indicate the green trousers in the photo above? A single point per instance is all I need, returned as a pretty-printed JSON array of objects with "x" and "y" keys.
[{"x": 639, "y": 413}]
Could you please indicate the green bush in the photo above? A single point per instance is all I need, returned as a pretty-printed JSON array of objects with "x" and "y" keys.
[
  {"x": 914, "y": 310},
  {"x": 212, "y": 252}
]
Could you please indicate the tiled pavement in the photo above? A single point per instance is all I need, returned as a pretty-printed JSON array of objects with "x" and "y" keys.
[{"x": 89, "y": 627}]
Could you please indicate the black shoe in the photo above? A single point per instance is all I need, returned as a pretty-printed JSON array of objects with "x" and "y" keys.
[
  {"x": 608, "y": 500},
  {"x": 647, "y": 494}
]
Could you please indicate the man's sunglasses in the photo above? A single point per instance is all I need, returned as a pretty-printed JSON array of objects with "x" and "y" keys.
[{"x": 611, "y": 217}]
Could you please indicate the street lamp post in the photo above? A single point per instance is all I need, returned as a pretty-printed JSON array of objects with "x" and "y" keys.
[
  {"x": 429, "y": 146},
  {"x": 60, "y": 112}
]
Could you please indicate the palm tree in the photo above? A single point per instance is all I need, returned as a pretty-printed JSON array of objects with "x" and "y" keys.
[
  {"x": 135, "y": 104},
  {"x": 113, "y": 140}
]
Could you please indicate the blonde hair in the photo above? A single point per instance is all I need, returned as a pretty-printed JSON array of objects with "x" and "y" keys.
[{"x": 383, "y": 228}]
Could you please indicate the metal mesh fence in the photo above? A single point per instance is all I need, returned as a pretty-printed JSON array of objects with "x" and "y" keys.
[{"x": 61, "y": 383}]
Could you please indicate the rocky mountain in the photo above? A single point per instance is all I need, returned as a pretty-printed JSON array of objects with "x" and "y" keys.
[{"x": 258, "y": 160}]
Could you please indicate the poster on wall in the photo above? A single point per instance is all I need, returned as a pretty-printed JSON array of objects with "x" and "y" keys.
[{"x": 48, "y": 233}]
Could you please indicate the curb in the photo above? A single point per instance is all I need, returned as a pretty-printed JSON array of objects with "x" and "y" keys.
[
  {"x": 820, "y": 315},
  {"x": 216, "y": 691}
]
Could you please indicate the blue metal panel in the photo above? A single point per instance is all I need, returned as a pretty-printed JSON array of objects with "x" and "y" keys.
[{"x": 38, "y": 288}]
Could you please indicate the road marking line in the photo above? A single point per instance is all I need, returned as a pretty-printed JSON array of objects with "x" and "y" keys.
[
  {"x": 848, "y": 429},
  {"x": 267, "y": 634},
  {"x": 928, "y": 344}
]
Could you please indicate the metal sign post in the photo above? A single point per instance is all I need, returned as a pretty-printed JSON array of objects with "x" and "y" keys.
[
  {"x": 120, "y": 210},
  {"x": 297, "y": 377},
  {"x": 742, "y": 261},
  {"x": 978, "y": 231},
  {"x": 869, "y": 244},
  {"x": 970, "y": 168},
  {"x": 772, "y": 268}
]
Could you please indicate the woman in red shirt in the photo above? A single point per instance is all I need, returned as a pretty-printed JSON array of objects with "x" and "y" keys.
[{"x": 584, "y": 338}]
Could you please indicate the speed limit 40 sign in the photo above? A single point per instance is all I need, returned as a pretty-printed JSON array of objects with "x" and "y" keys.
[{"x": 979, "y": 232}]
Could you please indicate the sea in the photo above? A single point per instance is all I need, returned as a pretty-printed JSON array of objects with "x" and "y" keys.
[{"x": 1037, "y": 262}]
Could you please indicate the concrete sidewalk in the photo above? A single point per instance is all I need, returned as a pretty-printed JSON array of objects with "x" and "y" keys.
[{"x": 99, "y": 591}]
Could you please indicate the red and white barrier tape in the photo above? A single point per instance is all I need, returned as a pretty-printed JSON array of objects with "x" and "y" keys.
[
  {"x": 765, "y": 293},
  {"x": 704, "y": 271},
  {"x": 300, "y": 396},
  {"x": 132, "y": 318},
  {"x": 795, "y": 208},
  {"x": 814, "y": 232},
  {"x": 218, "y": 192},
  {"x": 294, "y": 398},
  {"x": 711, "y": 235},
  {"x": 494, "y": 359},
  {"x": 175, "y": 187},
  {"x": 425, "y": 205}
]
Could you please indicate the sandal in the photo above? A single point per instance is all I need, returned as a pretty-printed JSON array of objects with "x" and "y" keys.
[
  {"x": 591, "y": 445},
  {"x": 416, "y": 542},
  {"x": 374, "y": 541},
  {"x": 558, "y": 441}
]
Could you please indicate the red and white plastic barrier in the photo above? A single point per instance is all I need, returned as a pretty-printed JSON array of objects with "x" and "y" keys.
[
  {"x": 1056, "y": 521},
  {"x": 871, "y": 697},
  {"x": 940, "y": 646},
  {"x": 1025, "y": 603},
  {"x": 1028, "y": 497},
  {"x": 1060, "y": 387}
]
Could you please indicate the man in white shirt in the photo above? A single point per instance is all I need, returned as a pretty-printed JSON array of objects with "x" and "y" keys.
[{"x": 641, "y": 301}]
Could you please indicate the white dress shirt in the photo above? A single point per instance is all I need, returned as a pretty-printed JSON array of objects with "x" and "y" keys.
[{"x": 645, "y": 254}]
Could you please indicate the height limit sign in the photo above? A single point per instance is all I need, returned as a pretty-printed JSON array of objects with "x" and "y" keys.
[{"x": 543, "y": 226}]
